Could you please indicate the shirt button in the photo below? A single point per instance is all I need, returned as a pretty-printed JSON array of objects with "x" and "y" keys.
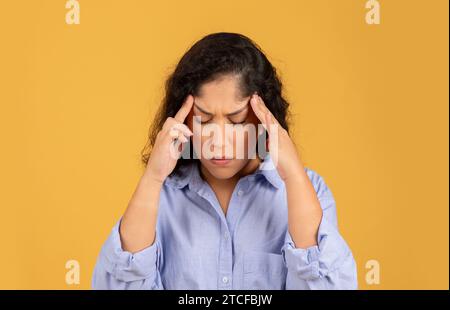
[
  {"x": 225, "y": 235},
  {"x": 240, "y": 193},
  {"x": 225, "y": 280}
]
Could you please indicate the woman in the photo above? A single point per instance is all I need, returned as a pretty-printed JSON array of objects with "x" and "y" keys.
[{"x": 209, "y": 214}]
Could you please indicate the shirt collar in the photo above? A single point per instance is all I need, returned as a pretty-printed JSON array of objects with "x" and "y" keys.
[{"x": 190, "y": 174}]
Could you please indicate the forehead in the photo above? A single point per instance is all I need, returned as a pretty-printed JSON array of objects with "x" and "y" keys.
[{"x": 221, "y": 94}]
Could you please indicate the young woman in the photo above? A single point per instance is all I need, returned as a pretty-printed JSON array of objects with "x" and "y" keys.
[{"x": 209, "y": 214}]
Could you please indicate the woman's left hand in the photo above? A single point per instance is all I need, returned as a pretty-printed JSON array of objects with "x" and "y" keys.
[{"x": 281, "y": 148}]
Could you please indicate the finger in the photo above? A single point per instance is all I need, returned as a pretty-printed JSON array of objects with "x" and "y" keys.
[
  {"x": 263, "y": 106},
  {"x": 257, "y": 110},
  {"x": 270, "y": 123},
  {"x": 267, "y": 118},
  {"x": 182, "y": 138},
  {"x": 175, "y": 150},
  {"x": 174, "y": 133},
  {"x": 177, "y": 127},
  {"x": 185, "y": 109}
]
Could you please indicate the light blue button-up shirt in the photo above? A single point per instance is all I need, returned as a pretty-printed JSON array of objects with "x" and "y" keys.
[{"x": 197, "y": 246}]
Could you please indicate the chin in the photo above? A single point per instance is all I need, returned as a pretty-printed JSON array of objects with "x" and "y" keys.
[{"x": 222, "y": 172}]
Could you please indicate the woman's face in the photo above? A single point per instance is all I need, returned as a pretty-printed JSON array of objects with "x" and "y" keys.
[{"x": 224, "y": 127}]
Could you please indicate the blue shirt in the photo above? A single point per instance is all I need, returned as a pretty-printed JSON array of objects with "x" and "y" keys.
[{"x": 197, "y": 246}]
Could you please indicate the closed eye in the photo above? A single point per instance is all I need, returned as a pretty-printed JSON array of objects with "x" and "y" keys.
[
  {"x": 202, "y": 119},
  {"x": 239, "y": 118},
  {"x": 238, "y": 123},
  {"x": 234, "y": 123}
]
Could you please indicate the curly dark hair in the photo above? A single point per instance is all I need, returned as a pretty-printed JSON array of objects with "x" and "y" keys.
[{"x": 211, "y": 57}]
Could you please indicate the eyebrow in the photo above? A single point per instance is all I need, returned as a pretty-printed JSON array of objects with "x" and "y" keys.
[{"x": 228, "y": 114}]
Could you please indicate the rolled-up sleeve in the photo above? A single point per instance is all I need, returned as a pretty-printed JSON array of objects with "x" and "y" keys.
[
  {"x": 117, "y": 269},
  {"x": 330, "y": 263}
]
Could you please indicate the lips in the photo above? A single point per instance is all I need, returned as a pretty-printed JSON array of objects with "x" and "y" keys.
[{"x": 220, "y": 161}]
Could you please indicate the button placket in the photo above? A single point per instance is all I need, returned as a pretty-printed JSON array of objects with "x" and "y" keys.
[
  {"x": 236, "y": 207},
  {"x": 225, "y": 263},
  {"x": 226, "y": 259}
]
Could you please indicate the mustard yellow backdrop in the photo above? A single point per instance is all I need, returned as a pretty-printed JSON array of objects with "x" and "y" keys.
[{"x": 369, "y": 103}]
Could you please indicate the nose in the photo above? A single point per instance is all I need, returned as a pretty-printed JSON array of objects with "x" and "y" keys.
[{"x": 222, "y": 140}]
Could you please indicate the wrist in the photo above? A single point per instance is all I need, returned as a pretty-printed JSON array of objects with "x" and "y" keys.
[
  {"x": 150, "y": 178},
  {"x": 295, "y": 176}
]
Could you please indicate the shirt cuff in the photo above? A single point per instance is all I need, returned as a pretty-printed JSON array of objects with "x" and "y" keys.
[
  {"x": 319, "y": 260},
  {"x": 124, "y": 265}
]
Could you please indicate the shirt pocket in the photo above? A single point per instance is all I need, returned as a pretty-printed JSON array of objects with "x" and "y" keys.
[{"x": 264, "y": 271}]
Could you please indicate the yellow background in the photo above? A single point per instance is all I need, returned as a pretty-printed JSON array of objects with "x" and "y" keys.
[{"x": 370, "y": 106}]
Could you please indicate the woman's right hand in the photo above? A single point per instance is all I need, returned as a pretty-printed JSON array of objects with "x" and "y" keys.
[{"x": 169, "y": 143}]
